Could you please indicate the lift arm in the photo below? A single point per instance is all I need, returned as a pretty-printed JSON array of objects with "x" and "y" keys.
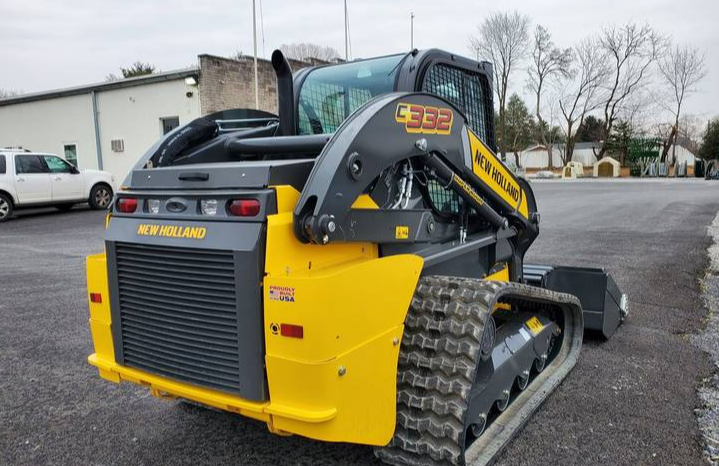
[{"x": 434, "y": 135}]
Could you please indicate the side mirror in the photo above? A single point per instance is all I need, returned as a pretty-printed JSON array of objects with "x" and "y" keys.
[{"x": 74, "y": 170}]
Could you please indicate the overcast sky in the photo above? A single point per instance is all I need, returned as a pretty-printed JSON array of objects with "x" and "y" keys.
[{"x": 46, "y": 44}]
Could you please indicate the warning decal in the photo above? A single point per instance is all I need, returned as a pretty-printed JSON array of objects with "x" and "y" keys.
[{"x": 534, "y": 325}]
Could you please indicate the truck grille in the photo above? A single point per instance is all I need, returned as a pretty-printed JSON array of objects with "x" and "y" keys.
[{"x": 178, "y": 313}]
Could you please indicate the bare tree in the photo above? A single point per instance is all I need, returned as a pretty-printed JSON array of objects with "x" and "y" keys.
[
  {"x": 552, "y": 132},
  {"x": 7, "y": 93},
  {"x": 580, "y": 95},
  {"x": 681, "y": 69},
  {"x": 631, "y": 50},
  {"x": 303, "y": 51},
  {"x": 548, "y": 62},
  {"x": 502, "y": 39},
  {"x": 691, "y": 128}
]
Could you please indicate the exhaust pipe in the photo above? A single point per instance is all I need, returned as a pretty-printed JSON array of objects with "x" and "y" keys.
[{"x": 285, "y": 94}]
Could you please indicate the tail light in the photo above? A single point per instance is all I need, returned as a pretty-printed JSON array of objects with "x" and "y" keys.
[
  {"x": 244, "y": 207},
  {"x": 126, "y": 205},
  {"x": 291, "y": 330}
]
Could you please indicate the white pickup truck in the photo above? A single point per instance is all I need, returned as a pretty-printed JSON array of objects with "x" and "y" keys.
[{"x": 29, "y": 179}]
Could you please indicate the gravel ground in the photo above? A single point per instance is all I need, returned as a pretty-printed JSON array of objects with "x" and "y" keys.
[
  {"x": 630, "y": 401},
  {"x": 708, "y": 340}
]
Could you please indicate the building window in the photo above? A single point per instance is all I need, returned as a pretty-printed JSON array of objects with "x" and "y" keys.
[
  {"x": 169, "y": 123},
  {"x": 70, "y": 151}
]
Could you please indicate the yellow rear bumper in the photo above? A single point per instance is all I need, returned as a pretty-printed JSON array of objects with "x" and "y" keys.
[
  {"x": 338, "y": 383},
  {"x": 162, "y": 387}
]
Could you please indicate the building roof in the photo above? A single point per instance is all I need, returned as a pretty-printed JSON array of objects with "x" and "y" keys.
[
  {"x": 587, "y": 145},
  {"x": 104, "y": 86}
]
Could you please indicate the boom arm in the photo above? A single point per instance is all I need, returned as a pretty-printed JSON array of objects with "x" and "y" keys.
[{"x": 434, "y": 137}]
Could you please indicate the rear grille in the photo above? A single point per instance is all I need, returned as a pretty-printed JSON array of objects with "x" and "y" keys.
[{"x": 178, "y": 313}]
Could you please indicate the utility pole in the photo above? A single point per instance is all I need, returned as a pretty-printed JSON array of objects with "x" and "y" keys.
[
  {"x": 254, "y": 39},
  {"x": 411, "y": 31},
  {"x": 347, "y": 53}
]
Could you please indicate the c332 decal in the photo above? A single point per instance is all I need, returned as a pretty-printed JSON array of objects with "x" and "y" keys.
[{"x": 424, "y": 119}]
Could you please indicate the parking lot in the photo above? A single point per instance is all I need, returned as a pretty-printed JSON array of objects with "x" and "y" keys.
[{"x": 630, "y": 400}]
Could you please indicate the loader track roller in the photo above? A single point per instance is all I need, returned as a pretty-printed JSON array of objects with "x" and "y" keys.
[{"x": 445, "y": 397}]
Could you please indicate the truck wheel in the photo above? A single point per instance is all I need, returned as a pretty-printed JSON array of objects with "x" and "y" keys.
[
  {"x": 5, "y": 207},
  {"x": 100, "y": 197}
]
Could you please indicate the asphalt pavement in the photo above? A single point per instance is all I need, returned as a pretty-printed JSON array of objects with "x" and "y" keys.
[{"x": 630, "y": 401}]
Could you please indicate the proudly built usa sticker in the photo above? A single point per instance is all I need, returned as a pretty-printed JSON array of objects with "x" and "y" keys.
[{"x": 282, "y": 293}]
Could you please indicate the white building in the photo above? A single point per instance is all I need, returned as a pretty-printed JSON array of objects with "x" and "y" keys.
[
  {"x": 585, "y": 153},
  {"x": 536, "y": 156},
  {"x": 110, "y": 125},
  {"x": 105, "y": 126}
]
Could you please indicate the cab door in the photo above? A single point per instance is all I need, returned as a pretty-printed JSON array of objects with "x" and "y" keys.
[
  {"x": 66, "y": 180},
  {"x": 32, "y": 180}
]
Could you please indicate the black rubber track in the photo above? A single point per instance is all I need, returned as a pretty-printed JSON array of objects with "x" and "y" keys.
[{"x": 438, "y": 360}]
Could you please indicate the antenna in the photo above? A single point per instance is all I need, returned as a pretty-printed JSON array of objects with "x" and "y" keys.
[
  {"x": 347, "y": 56},
  {"x": 411, "y": 31},
  {"x": 254, "y": 40}
]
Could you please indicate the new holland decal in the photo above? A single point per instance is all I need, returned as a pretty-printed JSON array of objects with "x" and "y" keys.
[
  {"x": 492, "y": 171},
  {"x": 424, "y": 119},
  {"x": 468, "y": 189},
  {"x": 171, "y": 231}
]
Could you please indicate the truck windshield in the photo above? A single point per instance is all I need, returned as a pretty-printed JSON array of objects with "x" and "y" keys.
[{"x": 331, "y": 93}]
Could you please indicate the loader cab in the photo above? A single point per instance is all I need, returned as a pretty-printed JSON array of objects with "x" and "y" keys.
[
  {"x": 314, "y": 102},
  {"x": 327, "y": 95}
]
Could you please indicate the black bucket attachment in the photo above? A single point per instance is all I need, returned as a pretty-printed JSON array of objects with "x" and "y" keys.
[{"x": 604, "y": 305}]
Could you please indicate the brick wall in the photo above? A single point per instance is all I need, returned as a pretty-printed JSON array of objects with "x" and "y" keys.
[{"x": 226, "y": 83}]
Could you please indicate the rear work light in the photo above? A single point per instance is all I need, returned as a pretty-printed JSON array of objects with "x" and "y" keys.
[
  {"x": 126, "y": 205},
  {"x": 208, "y": 206},
  {"x": 244, "y": 207},
  {"x": 153, "y": 206}
]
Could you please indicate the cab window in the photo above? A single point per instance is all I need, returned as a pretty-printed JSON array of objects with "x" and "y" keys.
[
  {"x": 330, "y": 94},
  {"x": 3, "y": 165},
  {"x": 56, "y": 164},
  {"x": 29, "y": 164},
  {"x": 468, "y": 91}
]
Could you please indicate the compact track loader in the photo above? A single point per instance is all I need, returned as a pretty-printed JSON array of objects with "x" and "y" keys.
[{"x": 351, "y": 270}]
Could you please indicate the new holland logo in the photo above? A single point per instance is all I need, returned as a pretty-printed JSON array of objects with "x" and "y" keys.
[
  {"x": 424, "y": 119},
  {"x": 171, "y": 231}
]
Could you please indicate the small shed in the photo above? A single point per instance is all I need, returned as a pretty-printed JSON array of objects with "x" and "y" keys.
[
  {"x": 607, "y": 168},
  {"x": 573, "y": 170},
  {"x": 568, "y": 173}
]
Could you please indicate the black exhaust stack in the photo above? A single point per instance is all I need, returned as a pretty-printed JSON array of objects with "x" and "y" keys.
[{"x": 285, "y": 94}]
